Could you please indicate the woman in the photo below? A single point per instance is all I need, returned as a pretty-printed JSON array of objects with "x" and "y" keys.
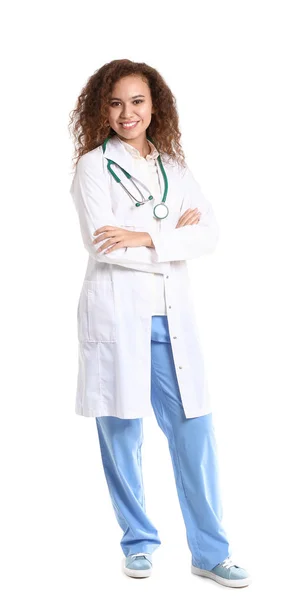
[{"x": 142, "y": 215}]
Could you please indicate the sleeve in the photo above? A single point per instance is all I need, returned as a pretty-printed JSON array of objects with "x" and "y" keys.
[
  {"x": 90, "y": 193},
  {"x": 190, "y": 241}
]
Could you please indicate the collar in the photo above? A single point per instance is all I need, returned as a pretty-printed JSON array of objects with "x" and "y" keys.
[
  {"x": 136, "y": 154},
  {"x": 117, "y": 152}
]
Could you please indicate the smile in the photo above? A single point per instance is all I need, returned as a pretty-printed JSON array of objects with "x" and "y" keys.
[{"x": 129, "y": 125}]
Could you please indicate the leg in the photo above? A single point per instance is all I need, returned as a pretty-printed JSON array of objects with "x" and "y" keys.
[
  {"x": 120, "y": 444},
  {"x": 193, "y": 453}
]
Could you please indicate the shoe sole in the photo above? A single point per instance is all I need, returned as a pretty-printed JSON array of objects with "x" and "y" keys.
[
  {"x": 228, "y": 582},
  {"x": 136, "y": 572}
]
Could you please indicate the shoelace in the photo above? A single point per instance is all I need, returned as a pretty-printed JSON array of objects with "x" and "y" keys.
[
  {"x": 141, "y": 554},
  {"x": 227, "y": 563}
]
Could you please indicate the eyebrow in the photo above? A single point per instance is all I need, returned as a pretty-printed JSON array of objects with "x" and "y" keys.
[{"x": 132, "y": 98}]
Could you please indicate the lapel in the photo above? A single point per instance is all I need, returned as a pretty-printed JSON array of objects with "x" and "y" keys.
[
  {"x": 118, "y": 153},
  {"x": 115, "y": 151}
]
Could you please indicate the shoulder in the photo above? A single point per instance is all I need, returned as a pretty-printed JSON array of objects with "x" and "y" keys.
[
  {"x": 91, "y": 159},
  {"x": 90, "y": 168}
]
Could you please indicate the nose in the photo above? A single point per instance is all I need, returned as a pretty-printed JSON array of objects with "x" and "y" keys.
[{"x": 126, "y": 114}]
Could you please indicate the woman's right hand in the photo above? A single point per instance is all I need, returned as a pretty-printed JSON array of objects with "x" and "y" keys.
[{"x": 189, "y": 217}]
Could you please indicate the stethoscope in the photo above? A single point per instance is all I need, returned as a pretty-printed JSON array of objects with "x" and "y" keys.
[{"x": 160, "y": 210}]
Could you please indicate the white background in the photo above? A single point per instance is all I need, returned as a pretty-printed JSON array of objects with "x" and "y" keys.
[{"x": 233, "y": 68}]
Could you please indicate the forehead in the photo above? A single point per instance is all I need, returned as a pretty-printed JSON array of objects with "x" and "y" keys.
[{"x": 130, "y": 85}]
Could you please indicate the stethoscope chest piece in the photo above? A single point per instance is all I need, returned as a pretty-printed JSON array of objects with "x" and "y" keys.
[{"x": 161, "y": 210}]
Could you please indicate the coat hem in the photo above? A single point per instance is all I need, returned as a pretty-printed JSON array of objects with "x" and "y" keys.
[{"x": 95, "y": 413}]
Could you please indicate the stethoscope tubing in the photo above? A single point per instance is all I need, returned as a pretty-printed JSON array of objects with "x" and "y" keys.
[{"x": 144, "y": 200}]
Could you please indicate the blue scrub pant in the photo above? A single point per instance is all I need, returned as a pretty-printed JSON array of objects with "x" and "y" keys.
[{"x": 193, "y": 451}]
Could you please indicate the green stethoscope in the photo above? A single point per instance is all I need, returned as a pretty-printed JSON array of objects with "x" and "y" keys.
[{"x": 160, "y": 210}]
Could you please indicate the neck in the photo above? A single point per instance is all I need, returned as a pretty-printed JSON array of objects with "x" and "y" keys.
[{"x": 141, "y": 145}]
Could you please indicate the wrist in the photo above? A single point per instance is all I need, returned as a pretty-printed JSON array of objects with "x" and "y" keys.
[{"x": 148, "y": 241}]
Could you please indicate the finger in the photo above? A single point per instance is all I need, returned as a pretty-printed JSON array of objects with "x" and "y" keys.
[
  {"x": 189, "y": 213},
  {"x": 104, "y": 236},
  {"x": 110, "y": 249},
  {"x": 99, "y": 238},
  {"x": 114, "y": 247},
  {"x": 109, "y": 242},
  {"x": 185, "y": 214},
  {"x": 185, "y": 220},
  {"x": 104, "y": 228},
  {"x": 104, "y": 246},
  {"x": 189, "y": 221}
]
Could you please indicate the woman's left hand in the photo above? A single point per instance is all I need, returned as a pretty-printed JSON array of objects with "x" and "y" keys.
[{"x": 120, "y": 238}]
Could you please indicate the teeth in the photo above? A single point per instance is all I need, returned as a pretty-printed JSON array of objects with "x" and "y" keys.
[{"x": 128, "y": 125}]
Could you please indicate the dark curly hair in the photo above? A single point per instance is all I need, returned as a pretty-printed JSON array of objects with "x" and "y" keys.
[{"x": 89, "y": 124}]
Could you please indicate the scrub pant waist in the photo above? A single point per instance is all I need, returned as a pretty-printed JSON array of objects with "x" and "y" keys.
[{"x": 160, "y": 331}]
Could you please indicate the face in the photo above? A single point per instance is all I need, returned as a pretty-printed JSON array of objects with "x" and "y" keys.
[{"x": 130, "y": 103}]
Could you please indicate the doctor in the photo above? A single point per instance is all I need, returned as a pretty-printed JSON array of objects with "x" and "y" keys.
[{"x": 142, "y": 215}]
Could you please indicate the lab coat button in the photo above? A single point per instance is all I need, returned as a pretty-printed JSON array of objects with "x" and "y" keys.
[
  {"x": 169, "y": 307},
  {"x": 167, "y": 276},
  {"x": 180, "y": 367},
  {"x": 175, "y": 337}
]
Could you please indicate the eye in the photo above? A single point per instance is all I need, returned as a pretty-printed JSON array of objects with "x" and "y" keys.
[{"x": 115, "y": 102}]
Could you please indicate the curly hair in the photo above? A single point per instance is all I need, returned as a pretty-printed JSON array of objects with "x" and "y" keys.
[{"x": 89, "y": 125}]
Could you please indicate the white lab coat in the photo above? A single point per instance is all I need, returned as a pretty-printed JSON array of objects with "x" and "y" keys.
[{"x": 114, "y": 309}]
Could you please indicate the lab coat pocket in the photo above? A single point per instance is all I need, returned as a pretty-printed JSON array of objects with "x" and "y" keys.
[{"x": 96, "y": 311}]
